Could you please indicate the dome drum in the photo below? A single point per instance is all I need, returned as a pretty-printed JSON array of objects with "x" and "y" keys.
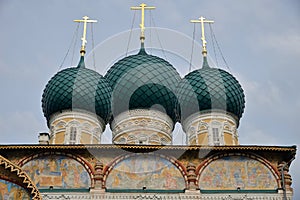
[
  {"x": 88, "y": 127},
  {"x": 141, "y": 126},
  {"x": 214, "y": 128}
]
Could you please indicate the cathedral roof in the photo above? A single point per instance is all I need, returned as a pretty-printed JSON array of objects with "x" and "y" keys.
[
  {"x": 143, "y": 81},
  {"x": 210, "y": 89},
  {"x": 77, "y": 88}
]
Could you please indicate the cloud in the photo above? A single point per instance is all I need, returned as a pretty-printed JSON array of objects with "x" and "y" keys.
[
  {"x": 19, "y": 126},
  {"x": 286, "y": 43}
]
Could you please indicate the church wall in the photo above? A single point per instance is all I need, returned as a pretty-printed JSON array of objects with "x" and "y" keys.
[
  {"x": 202, "y": 138},
  {"x": 126, "y": 168},
  {"x": 86, "y": 138},
  {"x": 228, "y": 139},
  {"x": 59, "y": 138}
]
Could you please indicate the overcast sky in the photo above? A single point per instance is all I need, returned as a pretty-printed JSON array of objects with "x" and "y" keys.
[{"x": 260, "y": 41}]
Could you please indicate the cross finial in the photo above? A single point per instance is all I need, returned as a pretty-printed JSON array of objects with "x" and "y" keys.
[
  {"x": 202, "y": 20},
  {"x": 142, "y": 7},
  {"x": 85, "y": 20}
]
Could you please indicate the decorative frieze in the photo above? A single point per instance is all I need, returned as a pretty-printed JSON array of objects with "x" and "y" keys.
[
  {"x": 171, "y": 196},
  {"x": 141, "y": 126}
]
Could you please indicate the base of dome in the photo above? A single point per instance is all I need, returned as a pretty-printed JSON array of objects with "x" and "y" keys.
[
  {"x": 142, "y": 126},
  {"x": 75, "y": 127},
  {"x": 211, "y": 128}
]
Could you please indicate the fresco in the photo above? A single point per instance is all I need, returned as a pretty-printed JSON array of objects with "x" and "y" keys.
[
  {"x": 11, "y": 191},
  {"x": 229, "y": 173},
  {"x": 152, "y": 172},
  {"x": 58, "y": 171}
]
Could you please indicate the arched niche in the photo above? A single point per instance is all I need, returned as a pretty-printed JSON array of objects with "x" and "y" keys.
[
  {"x": 58, "y": 171},
  {"x": 145, "y": 171},
  {"x": 237, "y": 172},
  {"x": 10, "y": 190}
]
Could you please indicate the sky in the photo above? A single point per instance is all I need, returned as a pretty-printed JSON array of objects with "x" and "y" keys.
[{"x": 259, "y": 40}]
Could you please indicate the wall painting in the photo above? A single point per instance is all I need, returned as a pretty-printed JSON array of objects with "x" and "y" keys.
[
  {"x": 230, "y": 173},
  {"x": 142, "y": 170},
  {"x": 61, "y": 172}
]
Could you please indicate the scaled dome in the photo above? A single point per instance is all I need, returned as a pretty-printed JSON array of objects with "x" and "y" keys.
[
  {"x": 208, "y": 89},
  {"x": 143, "y": 81},
  {"x": 77, "y": 88}
]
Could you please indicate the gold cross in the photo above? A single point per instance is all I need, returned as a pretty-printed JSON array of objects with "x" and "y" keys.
[
  {"x": 85, "y": 20},
  {"x": 142, "y": 7},
  {"x": 202, "y": 21}
]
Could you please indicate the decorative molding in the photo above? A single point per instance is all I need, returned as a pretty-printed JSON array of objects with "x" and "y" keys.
[
  {"x": 140, "y": 123},
  {"x": 150, "y": 196}
]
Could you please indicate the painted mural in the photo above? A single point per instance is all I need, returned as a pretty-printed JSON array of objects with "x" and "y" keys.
[
  {"x": 11, "y": 191},
  {"x": 58, "y": 171},
  {"x": 152, "y": 172},
  {"x": 229, "y": 173}
]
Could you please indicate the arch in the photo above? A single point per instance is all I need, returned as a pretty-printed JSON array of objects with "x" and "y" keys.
[
  {"x": 73, "y": 122},
  {"x": 154, "y": 138},
  {"x": 227, "y": 127},
  {"x": 87, "y": 126},
  {"x": 14, "y": 174},
  {"x": 251, "y": 172},
  {"x": 61, "y": 124},
  {"x": 145, "y": 170},
  {"x": 66, "y": 159},
  {"x": 131, "y": 138}
]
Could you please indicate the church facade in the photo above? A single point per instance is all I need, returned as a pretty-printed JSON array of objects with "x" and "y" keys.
[{"x": 142, "y": 97}]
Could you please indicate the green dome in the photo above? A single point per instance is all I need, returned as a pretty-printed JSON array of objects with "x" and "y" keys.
[
  {"x": 209, "y": 89},
  {"x": 143, "y": 81},
  {"x": 77, "y": 88}
]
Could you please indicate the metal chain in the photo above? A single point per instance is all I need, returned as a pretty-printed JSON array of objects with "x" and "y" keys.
[
  {"x": 191, "y": 59},
  {"x": 130, "y": 34},
  {"x": 75, "y": 35},
  {"x": 93, "y": 46},
  {"x": 163, "y": 51}
]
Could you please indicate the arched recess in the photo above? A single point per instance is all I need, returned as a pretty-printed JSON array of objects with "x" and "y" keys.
[
  {"x": 58, "y": 170},
  {"x": 145, "y": 171},
  {"x": 232, "y": 171},
  {"x": 12, "y": 174}
]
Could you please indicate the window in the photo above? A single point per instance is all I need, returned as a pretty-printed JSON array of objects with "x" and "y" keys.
[
  {"x": 216, "y": 138},
  {"x": 73, "y": 132}
]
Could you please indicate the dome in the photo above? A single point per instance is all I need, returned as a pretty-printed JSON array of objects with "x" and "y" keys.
[
  {"x": 209, "y": 89},
  {"x": 77, "y": 88},
  {"x": 143, "y": 81}
]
